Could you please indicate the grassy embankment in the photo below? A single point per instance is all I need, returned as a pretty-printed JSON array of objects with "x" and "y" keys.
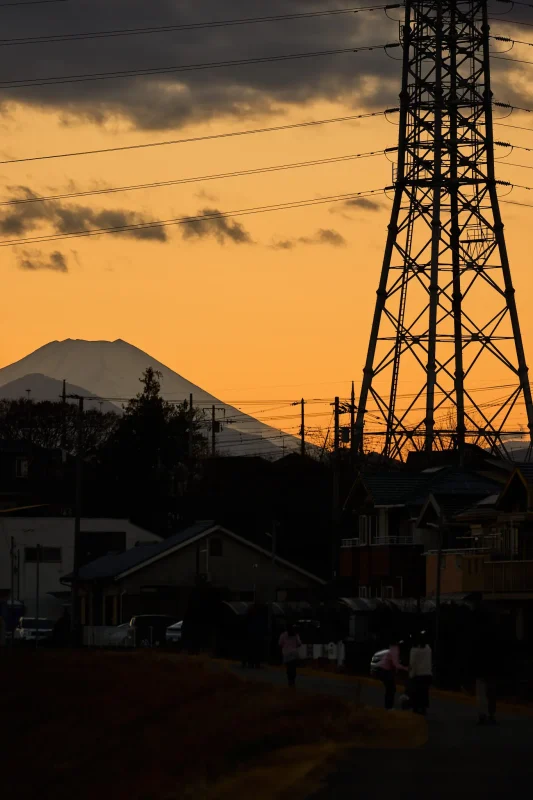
[{"x": 140, "y": 726}]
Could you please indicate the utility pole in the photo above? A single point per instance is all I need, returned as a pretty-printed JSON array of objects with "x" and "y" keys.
[
  {"x": 336, "y": 489},
  {"x": 64, "y": 416},
  {"x": 37, "y": 591},
  {"x": 273, "y": 596},
  {"x": 215, "y": 426},
  {"x": 436, "y": 648},
  {"x": 28, "y": 392},
  {"x": 12, "y": 619},
  {"x": 302, "y": 428},
  {"x": 18, "y": 574},
  {"x": 353, "y": 451},
  {"x": 191, "y": 420},
  {"x": 78, "y": 511}
]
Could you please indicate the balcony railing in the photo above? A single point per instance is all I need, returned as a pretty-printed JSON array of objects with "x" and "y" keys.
[
  {"x": 377, "y": 540},
  {"x": 349, "y": 542},
  {"x": 502, "y": 577},
  {"x": 392, "y": 540}
]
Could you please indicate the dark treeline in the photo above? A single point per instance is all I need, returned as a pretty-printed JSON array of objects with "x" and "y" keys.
[{"x": 151, "y": 464}]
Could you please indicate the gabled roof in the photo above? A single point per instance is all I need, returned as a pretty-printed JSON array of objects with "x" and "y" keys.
[
  {"x": 114, "y": 564},
  {"x": 119, "y": 565},
  {"x": 526, "y": 470}
]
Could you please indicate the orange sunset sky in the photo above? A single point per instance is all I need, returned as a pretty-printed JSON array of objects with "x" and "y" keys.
[{"x": 246, "y": 321}]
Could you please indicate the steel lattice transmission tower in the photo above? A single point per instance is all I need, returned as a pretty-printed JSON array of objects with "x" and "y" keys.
[{"x": 445, "y": 321}]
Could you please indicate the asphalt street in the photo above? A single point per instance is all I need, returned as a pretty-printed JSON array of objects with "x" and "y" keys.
[{"x": 460, "y": 760}]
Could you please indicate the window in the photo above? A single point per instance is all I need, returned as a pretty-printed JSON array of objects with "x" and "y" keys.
[
  {"x": 387, "y": 592},
  {"x": 363, "y": 592},
  {"x": 215, "y": 547},
  {"x": 364, "y": 529},
  {"x": 48, "y": 555},
  {"x": 21, "y": 467}
]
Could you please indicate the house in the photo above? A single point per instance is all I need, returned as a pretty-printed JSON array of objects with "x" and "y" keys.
[
  {"x": 19, "y": 537},
  {"x": 30, "y": 474},
  {"x": 160, "y": 578},
  {"x": 394, "y": 526},
  {"x": 494, "y": 554},
  {"x": 464, "y": 548}
]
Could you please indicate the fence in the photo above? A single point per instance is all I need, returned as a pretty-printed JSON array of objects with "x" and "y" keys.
[{"x": 105, "y": 636}]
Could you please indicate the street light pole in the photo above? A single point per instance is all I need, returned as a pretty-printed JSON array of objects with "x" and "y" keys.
[
  {"x": 436, "y": 648},
  {"x": 78, "y": 511}
]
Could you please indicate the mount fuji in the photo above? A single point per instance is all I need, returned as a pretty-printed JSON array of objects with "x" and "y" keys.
[{"x": 109, "y": 373}]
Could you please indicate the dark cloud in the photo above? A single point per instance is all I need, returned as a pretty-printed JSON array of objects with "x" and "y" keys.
[
  {"x": 327, "y": 236},
  {"x": 215, "y": 226},
  {"x": 33, "y": 260},
  {"x": 173, "y": 99},
  {"x": 203, "y": 195},
  {"x": 25, "y": 218},
  {"x": 355, "y": 203},
  {"x": 369, "y": 79}
]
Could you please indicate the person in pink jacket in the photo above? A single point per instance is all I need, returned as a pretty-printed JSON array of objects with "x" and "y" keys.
[
  {"x": 388, "y": 667},
  {"x": 290, "y": 643}
]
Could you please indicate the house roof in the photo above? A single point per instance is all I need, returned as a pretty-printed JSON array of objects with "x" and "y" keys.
[
  {"x": 393, "y": 488},
  {"x": 412, "y": 489},
  {"x": 526, "y": 470},
  {"x": 115, "y": 566}
]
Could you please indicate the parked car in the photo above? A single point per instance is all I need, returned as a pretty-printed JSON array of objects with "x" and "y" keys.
[
  {"x": 120, "y": 637},
  {"x": 149, "y": 630},
  {"x": 375, "y": 660},
  {"x": 29, "y": 629},
  {"x": 173, "y": 634}
]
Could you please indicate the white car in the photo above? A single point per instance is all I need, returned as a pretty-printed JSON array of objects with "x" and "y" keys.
[
  {"x": 173, "y": 634},
  {"x": 120, "y": 636},
  {"x": 29, "y": 629}
]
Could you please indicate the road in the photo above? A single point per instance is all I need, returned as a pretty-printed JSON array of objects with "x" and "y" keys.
[{"x": 460, "y": 758}]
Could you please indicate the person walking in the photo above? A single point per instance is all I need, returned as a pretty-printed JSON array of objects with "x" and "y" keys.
[
  {"x": 289, "y": 641},
  {"x": 388, "y": 667},
  {"x": 421, "y": 673}
]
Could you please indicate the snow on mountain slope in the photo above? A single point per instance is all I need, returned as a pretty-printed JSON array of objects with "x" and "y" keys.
[{"x": 111, "y": 371}]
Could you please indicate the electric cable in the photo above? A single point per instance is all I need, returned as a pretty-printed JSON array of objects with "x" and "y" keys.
[
  {"x": 188, "y": 220},
  {"x": 102, "y": 76},
  {"x": 199, "y": 179},
  {"x": 275, "y": 128},
  {"x": 75, "y": 37}
]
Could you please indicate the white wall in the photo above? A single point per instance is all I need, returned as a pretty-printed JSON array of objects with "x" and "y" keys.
[{"x": 51, "y": 532}]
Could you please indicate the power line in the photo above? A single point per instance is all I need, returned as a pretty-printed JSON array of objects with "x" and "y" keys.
[
  {"x": 512, "y": 41},
  {"x": 516, "y": 203},
  {"x": 516, "y": 60},
  {"x": 514, "y": 146},
  {"x": 30, "y": 3},
  {"x": 199, "y": 179},
  {"x": 102, "y": 76},
  {"x": 291, "y": 126},
  {"x": 69, "y": 37},
  {"x": 517, "y": 127},
  {"x": 510, "y": 164},
  {"x": 516, "y": 3},
  {"x": 188, "y": 220},
  {"x": 511, "y": 22}
]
